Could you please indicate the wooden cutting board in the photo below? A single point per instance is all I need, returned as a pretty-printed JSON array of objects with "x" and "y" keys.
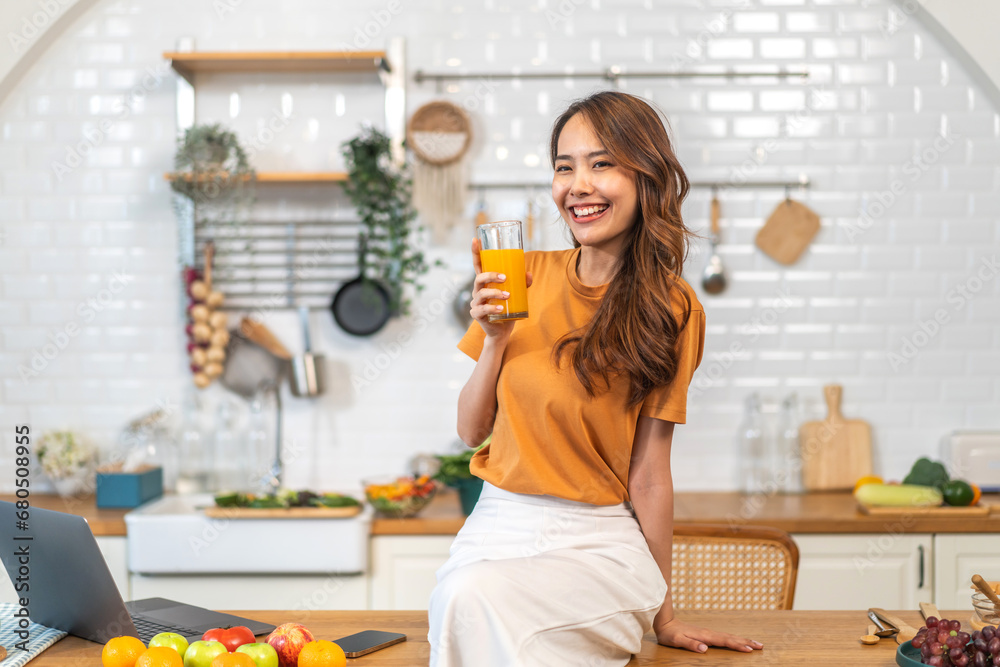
[
  {"x": 941, "y": 512},
  {"x": 787, "y": 233},
  {"x": 835, "y": 451},
  {"x": 283, "y": 512}
]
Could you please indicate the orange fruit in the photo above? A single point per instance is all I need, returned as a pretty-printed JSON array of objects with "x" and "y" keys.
[
  {"x": 233, "y": 660},
  {"x": 321, "y": 653},
  {"x": 122, "y": 652},
  {"x": 977, "y": 493},
  {"x": 867, "y": 479},
  {"x": 160, "y": 656}
]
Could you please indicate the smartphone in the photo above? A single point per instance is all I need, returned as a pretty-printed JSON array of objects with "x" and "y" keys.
[{"x": 369, "y": 641}]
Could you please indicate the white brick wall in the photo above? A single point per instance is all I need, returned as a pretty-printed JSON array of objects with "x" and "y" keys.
[{"x": 874, "y": 104}]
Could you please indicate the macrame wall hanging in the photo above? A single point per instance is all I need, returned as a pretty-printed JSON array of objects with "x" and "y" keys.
[{"x": 439, "y": 133}]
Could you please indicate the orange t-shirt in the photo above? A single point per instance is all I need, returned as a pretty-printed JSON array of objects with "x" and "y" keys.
[{"x": 551, "y": 437}]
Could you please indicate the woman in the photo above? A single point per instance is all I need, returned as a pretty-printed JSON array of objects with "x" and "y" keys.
[{"x": 566, "y": 557}]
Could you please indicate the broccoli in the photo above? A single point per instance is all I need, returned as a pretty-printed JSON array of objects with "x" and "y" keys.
[{"x": 927, "y": 473}]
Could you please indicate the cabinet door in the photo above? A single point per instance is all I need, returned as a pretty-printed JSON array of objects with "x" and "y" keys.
[
  {"x": 956, "y": 558},
  {"x": 888, "y": 570},
  {"x": 403, "y": 569},
  {"x": 295, "y": 592}
]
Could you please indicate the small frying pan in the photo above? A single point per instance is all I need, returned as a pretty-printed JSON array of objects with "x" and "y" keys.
[{"x": 361, "y": 306}]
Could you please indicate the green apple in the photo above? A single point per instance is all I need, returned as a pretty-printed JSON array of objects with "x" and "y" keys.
[
  {"x": 263, "y": 654},
  {"x": 202, "y": 653},
  {"x": 171, "y": 639}
]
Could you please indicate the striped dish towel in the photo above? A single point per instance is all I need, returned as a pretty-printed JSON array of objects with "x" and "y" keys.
[{"x": 40, "y": 637}]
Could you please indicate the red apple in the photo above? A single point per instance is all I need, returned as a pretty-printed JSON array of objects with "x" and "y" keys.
[{"x": 288, "y": 640}]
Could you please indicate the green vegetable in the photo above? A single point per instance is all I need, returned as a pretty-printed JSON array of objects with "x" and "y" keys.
[
  {"x": 230, "y": 499},
  {"x": 266, "y": 502},
  {"x": 957, "y": 493},
  {"x": 927, "y": 473},
  {"x": 455, "y": 467},
  {"x": 897, "y": 495},
  {"x": 333, "y": 500}
]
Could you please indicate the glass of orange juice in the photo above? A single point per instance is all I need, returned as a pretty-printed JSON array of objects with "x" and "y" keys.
[{"x": 502, "y": 251}]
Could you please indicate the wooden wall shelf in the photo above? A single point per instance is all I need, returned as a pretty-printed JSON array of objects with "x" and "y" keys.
[
  {"x": 289, "y": 177},
  {"x": 189, "y": 62}
]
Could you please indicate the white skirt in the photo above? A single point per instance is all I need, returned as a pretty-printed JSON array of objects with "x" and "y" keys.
[{"x": 538, "y": 580}]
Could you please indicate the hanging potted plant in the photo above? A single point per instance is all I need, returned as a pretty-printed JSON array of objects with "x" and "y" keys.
[
  {"x": 382, "y": 196},
  {"x": 210, "y": 167}
]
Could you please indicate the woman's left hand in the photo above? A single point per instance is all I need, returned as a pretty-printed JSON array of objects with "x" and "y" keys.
[{"x": 693, "y": 638}]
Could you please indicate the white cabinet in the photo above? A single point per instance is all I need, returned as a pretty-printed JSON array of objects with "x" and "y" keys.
[
  {"x": 888, "y": 570},
  {"x": 115, "y": 553},
  {"x": 403, "y": 569},
  {"x": 295, "y": 592},
  {"x": 956, "y": 558}
]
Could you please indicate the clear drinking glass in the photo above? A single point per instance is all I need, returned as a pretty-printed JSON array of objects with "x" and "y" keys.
[{"x": 502, "y": 251}]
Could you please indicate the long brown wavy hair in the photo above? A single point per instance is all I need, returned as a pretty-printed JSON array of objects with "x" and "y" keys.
[{"x": 635, "y": 329}]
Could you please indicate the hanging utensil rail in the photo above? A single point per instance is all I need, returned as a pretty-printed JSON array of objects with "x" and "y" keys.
[
  {"x": 280, "y": 265},
  {"x": 610, "y": 74},
  {"x": 802, "y": 182}
]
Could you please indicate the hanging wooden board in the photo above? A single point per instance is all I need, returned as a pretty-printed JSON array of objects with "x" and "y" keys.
[
  {"x": 787, "y": 233},
  {"x": 836, "y": 452}
]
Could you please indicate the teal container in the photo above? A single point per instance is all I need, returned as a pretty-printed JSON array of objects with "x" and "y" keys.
[
  {"x": 468, "y": 492},
  {"x": 128, "y": 489}
]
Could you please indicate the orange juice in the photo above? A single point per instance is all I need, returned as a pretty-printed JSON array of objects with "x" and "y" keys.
[{"x": 510, "y": 262}]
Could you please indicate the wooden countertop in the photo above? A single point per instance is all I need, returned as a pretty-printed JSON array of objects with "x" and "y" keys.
[
  {"x": 802, "y": 513},
  {"x": 789, "y": 638},
  {"x": 103, "y": 522},
  {"x": 794, "y": 513}
]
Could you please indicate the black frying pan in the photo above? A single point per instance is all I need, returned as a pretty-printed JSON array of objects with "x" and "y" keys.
[{"x": 361, "y": 307}]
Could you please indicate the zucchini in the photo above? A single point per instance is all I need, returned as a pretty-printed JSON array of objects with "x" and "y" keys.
[{"x": 898, "y": 495}]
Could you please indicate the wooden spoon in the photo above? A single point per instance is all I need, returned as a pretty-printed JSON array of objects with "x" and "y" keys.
[
  {"x": 261, "y": 335},
  {"x": 987, "y": 591},
  {"x": 713, "y": 279},
  {"x": 906, "y": 631},
  {"x": 871, "y": 637}
]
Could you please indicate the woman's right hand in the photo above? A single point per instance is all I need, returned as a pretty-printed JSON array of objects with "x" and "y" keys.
[{"x": 481, "y": 308}]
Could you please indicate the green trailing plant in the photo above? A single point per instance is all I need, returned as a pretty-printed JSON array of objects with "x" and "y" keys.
[{"x": 382, "y": 196}]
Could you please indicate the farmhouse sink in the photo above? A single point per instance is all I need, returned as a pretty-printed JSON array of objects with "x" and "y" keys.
[{"x": 172, "y": 535}]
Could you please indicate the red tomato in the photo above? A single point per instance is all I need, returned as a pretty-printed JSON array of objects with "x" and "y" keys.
[{"x": 231, "y": 637}]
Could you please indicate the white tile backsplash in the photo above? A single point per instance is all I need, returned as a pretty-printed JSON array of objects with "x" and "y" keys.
[{"x": 872, "y": 108}]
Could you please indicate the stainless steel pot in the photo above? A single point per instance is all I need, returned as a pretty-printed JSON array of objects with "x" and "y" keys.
[{"x": 307, "y": 368}]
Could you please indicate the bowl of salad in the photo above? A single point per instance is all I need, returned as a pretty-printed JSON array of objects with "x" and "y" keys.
[{"x": 400, "y": 497}]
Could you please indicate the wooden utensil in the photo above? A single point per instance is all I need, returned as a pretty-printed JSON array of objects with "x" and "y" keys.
[
  {"x": 906, "y": 631},
  {"x": 713, "y": 280},
  {"x": 987, "y": 591},
  {"x": 261, "y": 335},
  {"x": 928, "y": 609},
  {"x": 871, "y": 637},
  {"x": 788, "y": 231},
  {"x": 835, "y": 451},
  {"x": 3, "y": 654}
]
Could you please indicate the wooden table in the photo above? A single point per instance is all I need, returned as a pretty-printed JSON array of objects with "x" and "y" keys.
[{"x": 790, "y": 638}]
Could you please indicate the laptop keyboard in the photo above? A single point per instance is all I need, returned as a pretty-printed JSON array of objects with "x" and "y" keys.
[{"x": 148, "y": 629}]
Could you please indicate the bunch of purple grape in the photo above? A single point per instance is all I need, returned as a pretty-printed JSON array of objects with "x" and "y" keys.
[{"x": 942, "y": 642}]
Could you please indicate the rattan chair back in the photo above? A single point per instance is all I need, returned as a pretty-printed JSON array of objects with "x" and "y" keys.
[{"x": 733, "y": 567}]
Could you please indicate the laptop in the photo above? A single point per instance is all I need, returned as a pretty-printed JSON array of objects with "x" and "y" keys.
[{"x": 71, "y": 588}]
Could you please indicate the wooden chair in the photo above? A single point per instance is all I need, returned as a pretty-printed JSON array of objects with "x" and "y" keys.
[{"x": 716, "y": 566}]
